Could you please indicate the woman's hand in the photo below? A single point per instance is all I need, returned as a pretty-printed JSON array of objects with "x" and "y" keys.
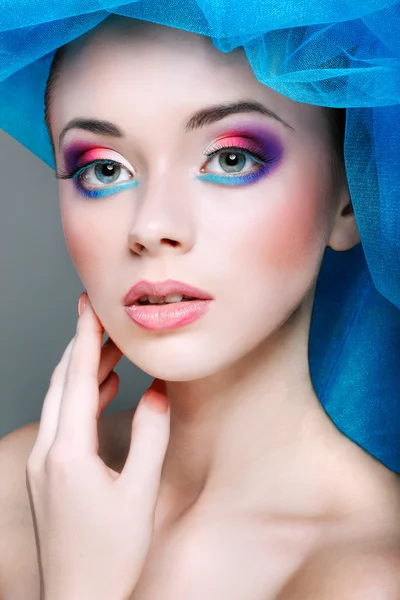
[{"x": 93, "y": 526}]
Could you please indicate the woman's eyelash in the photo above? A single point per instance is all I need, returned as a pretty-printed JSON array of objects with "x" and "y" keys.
[
  {"x": 257, "y": 154},
  {"x": 70, "y": 174}
]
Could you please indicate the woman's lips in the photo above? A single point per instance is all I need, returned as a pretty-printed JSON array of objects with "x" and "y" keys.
[
  {"x": 155, "y": 317},
  {"x": 170, "y": 315},
  {"x": 162, "y": 289}
]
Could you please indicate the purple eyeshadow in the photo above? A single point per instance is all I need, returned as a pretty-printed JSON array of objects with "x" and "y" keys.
[
  {"x": 74, "y": 151},
  {"x": 264, "y": 148}
]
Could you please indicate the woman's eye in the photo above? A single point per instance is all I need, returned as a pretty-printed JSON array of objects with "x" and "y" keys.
[
  {"x": 105, "y": 172},
  {"x": 231, "y": 161}
]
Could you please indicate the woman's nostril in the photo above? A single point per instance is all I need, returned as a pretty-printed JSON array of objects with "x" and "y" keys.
[
  {"x": 170, "y": 242},
  {"x": 138, "y": 248}
]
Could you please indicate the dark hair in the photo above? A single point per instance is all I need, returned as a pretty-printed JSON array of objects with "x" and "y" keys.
[
  {"x": 336, "y": 116},
  {"x": 51, "y": 84},
  {"x": 337, "y": 122}
]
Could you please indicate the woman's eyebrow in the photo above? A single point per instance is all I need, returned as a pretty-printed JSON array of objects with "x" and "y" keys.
[
  {"x": 212, "y": 114},
  {"x": 201, "y": 118},
  {"x": 98, "y": 126}
]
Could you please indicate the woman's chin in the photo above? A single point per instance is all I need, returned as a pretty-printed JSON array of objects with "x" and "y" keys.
[{"x": 173, "y": 370}]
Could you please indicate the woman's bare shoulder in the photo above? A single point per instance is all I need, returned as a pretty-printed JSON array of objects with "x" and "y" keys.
[
  {"x": 360, "y": 571},
  {"x": 14, "y": 451},
  {"x": 18, "y": 562}
]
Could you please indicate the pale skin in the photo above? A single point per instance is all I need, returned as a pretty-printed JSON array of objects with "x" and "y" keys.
[
  {"x": 65, "y": 459},
  {"x": 259, "y": 493}
]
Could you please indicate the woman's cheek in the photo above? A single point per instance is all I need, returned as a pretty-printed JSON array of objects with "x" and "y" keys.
[
  {"x": 290, "y": 234},
  {"x": 84, "y": 240}
]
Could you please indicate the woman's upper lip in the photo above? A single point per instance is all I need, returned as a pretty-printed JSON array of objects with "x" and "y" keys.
[{"x": 163, "y": 288}]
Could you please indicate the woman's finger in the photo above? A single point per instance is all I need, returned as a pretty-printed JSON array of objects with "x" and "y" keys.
[
  {"x": 110, "y": 353},
  {"x": 51, "y": 406},
  {"x": 110, "y": 356},
  {"x": 140, "y": 477},
  {"x": 77, "y": 426}
]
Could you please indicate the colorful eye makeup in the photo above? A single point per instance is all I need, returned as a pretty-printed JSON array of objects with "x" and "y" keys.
[
  {"x": 93, "y": 168},
  {"x": 238, "y": 157},
  {"x": 243, "y": 157}
]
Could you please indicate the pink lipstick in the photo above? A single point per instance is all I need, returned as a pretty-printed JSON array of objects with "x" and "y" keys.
[{"x": 165, "y": 305}]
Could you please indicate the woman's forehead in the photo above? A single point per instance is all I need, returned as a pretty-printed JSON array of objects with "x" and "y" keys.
[
  {"x": 135, "y": 69},
  {"x": 130, "y": 38},
  {"x": 156, "y": 67}
]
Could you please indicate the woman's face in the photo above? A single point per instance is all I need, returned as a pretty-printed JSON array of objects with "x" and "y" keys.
[{"x": 239, "y": 205}]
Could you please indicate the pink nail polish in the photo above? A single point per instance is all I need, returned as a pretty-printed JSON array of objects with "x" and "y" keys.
[
  {"x": 156, "y": 400},
  {"x": 81, "y": 303}
]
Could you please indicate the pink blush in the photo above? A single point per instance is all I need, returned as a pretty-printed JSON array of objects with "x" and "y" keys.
[{"x": 285, "y": 235}]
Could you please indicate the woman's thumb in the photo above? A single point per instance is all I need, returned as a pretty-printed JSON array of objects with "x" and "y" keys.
[{"x": 149, "y": 440}]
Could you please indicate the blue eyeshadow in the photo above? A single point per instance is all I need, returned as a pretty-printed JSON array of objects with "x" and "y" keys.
[{"x": 104, "y": 192}]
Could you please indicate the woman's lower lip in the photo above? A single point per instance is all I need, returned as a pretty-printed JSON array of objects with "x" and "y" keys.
[{"x": 167, "y": 316}]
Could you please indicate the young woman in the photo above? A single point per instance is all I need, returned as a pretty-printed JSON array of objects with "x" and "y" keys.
[{"x": 197, "y": 205}]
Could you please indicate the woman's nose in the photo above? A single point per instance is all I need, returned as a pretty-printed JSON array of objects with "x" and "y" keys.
[{"x": 163, "y": 221}]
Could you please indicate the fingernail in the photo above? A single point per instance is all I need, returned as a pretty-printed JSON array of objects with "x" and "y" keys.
[
  {"x": 156, "y": 398},
  {"x": 82, "y": 302}
]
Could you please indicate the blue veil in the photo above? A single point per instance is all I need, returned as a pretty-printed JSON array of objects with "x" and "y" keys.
[{"x": 339, "y": 54}]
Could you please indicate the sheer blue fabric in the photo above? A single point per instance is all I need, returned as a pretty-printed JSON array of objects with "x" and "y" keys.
[{"x": 338, "y": 54}]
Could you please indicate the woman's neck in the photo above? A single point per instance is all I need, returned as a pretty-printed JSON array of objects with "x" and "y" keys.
[
  {"x": 254, "y": 433},
  {"x": 256, "y": 438}
]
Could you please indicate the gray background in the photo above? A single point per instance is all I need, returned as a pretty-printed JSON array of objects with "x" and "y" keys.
[{"x": 39, "y": 291}]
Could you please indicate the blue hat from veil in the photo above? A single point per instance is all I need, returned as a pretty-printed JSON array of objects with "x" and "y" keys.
[{"x": 343, "y": 54}]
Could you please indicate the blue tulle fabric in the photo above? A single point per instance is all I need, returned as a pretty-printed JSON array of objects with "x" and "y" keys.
[{"x": 338, "y": 54}]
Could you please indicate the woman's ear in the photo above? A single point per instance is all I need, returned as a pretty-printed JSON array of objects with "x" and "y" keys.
[{"x": 344, "y": 233}]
